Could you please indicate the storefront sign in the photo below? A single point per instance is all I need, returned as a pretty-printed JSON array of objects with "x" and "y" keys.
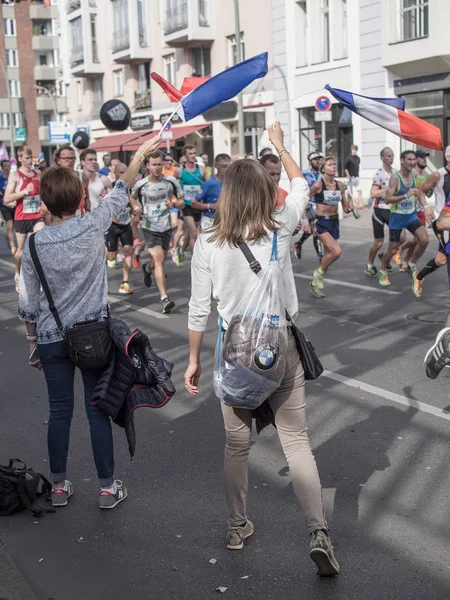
[
  {"x": 224, "y": 110},
  {"x": 175, "y": 118},
  {"x": 59, "y": 131},
  {"x": 144, "y": 122}
]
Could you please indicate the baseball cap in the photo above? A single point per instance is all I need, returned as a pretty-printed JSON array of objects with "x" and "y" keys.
[
  {"x": 423, "y": 154},
  {"x": 447, "y": 151},
  {"x": 313, "y": 155}
]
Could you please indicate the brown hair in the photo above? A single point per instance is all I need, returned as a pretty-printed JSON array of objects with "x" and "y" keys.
[
  {"x": 87, "y": 151},
  {"x": 57, "y": 153},
  {"x": 61, "y": 191},
  {"x": 24, "y": 150},
  {"x": 246, "y": 204},
  {"x": 325, "y": 160},
  {"x": 157, "y": 154},
  {"x": 188, "y": 147}
]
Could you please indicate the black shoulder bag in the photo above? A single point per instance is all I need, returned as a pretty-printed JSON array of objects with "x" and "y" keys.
[
  {"x": 90, "y": 344},
  {"x": 311, "y": 362}
]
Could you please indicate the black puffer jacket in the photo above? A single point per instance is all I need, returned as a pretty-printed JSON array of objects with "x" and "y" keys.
[{"x": 136, "y": 377}]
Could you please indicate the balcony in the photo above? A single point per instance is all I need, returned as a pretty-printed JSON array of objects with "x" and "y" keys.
[
  {"x": 16, "y": 103},
  {"x": 72, "y": 5},
  {"x": 82, "y": 65},
  {"x": 142, "y": 100},
  {"x": 39, "y": 10},
  {"x": 47, "y": 104},
  {"x": 44, "y": 42},
  {"x": 188, "y": 22},
  {"x": 120, "y": 40},
  {"x": 45, "y": 73}
]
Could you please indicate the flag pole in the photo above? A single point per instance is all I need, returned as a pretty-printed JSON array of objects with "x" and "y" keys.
[
  {"x": 239, "y": 58},
  {"x": 169, "y": 119},
  {"x": 296, "y": 98}
]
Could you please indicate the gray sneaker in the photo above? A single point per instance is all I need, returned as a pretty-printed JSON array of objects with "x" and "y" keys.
[
  {"x": 321, "y": 552},
  {"x": 109, "y": 499},
  {"x": 237, "y": 535},
  {"x": 60, "y": 495}
]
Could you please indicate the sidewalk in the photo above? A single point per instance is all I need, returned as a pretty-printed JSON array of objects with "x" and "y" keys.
[{"x": 13, "y": 585}]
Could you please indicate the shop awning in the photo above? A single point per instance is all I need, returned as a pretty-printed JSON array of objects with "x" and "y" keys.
[
  {"x": 114, "y": 143},
  {"x": 179, "y": 131}
]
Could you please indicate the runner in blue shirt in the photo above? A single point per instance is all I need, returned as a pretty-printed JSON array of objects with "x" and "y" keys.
[{"x": 206, "y": 200}]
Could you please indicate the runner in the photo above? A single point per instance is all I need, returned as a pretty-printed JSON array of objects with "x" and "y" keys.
[
  {"x": 22, "y": 193},
  {"x": 272, "y": 164},
  {"x": 206, "y": 201},
  {"x": 168, "y": 166},
  {"x": 439, "y": 182},
  {"x": 208, "y": 169},
  {"x": 191, "y": 179},
  {"x": 351, "y": 167},
  {"x": 6, "y": 212},
  {"x": 65, "y": 156},
  {"x": 381, "y": 210},
  {"x": 120, "y": 230},
  {"x": 264, "y": 151},
  {"x": 153, "y": 196},
  {"x": 328, "y": 192},
  {"x": 106, "y": 165},
  {"x": 98, "y": 185},
  {"x": 311, "y": 175},
  {"x": 401, "y": 195}
]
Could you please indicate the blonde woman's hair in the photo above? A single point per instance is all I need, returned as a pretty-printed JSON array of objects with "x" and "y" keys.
[{"x": 246, "y": 205}]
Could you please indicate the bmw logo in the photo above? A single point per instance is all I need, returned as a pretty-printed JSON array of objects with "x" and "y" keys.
[{"x": 265, "y": 357}]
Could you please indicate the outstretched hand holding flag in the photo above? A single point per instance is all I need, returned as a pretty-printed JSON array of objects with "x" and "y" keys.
[
  {"x": 217, "y": 89},
  {"x": 390, "y": 114}
]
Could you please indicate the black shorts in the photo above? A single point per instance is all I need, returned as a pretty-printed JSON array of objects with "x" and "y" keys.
[
  {"x": 412, "y": 227},
  {"x": 328, "y": 225},
  {"x": 380, "y": 218},
  {"x": 188, "y": 211},
  {"x": 153, "y": 239},
  {"x": 8, "y": 213},
  {"x": 26, "y": 226},
  {"x": 117, "y": 232}
]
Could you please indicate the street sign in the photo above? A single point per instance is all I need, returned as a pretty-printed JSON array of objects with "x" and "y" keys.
[
  {"x": 168, "y": 126},
  {"x": 20, "y": 134},
  {"x": 323, "y": 116},
  {"x": 167, "y": 135},
  {"x": 59, "y": 131},
  {"x": 323, "y": 103}
]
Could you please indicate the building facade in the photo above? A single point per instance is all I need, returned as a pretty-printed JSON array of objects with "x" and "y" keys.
[
  {"x": 114, "y": 45},
  {"x": 29, "y": 50},
  {"x": 377, "y": 48}
]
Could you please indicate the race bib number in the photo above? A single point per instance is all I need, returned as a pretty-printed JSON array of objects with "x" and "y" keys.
[
  {"x": 407, "y": 206},
  {"x": 331, "y": 197},
  {"x": 124, "y": 218},
  {"x": 190, "y": 191},
  {"x": 206, "y": 222},
  {"x": 154, "y": 211},
  {"x": 31, "y": 205}
]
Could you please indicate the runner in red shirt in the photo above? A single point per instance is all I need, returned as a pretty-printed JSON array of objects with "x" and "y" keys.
[{"x": 22, "y": 192}]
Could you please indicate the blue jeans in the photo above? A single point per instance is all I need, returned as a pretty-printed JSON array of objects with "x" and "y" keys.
[{"x": 59, "y": 373}]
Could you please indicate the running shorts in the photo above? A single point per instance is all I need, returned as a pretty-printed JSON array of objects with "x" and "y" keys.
[
  {"x": 188, "y": 211},
  {"x": 26, "y": 226},
  {"x": 153, "y": 239},
  {"x": 397, "y": 222},
  {"x": 8, "y": 213},
  {"x": 328, "y": 225},
  {"x": 117, "y": 232},
  {"x": 380, "y": 218}
]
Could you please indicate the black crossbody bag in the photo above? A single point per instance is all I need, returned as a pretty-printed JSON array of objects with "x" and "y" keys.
[
  {"x": 90, "y": 344},
  {"x": 312, "y": 366}
]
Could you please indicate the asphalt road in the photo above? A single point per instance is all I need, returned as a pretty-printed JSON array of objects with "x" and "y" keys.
[{"x": 379, "y": 428}]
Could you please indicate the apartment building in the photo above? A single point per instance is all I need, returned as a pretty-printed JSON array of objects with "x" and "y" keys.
[
  {"x": 29, "y": 51},
  {"x": 377, "y": 48},
  {"x": 114, "y": 45}
]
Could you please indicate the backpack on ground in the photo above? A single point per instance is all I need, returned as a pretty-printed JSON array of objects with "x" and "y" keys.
[
  {"x": 20, "y": 487},
  {"x": 251, "y": 353}
]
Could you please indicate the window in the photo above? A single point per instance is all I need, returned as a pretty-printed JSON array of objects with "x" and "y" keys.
[
  {"x": 414, "y": 19},
  {"x": 141, "y": 23},
  {"x": 55, "y": 57},
  {"x": 98, "y": 94},
  {"x": 9, "y": 27},
  {"x": 44, "y": 118},
  {"x": 120, "y": 32},
  {"x": 18, "y": 120},
  {"x": 60, "y": 117},
  {"x": 170, "y": 68},
  {"x": 340, "y": 26},
  {"x": 12, "y": 58},
  {"x": 4, "y": 118},
  {"x": 43, "y": 60},
  {"x": 60, "y": 89},
  {"x": 301, "y": 24},
  {"x": 321, "y": 29},
  {"x": 118, "y": 83},
  {"x": 79, "y": 94},
  {"x": 203, "y": 15},
  {"x": 176, "y": 15},
  {"x": 232, "y": 53},
  {"x": 77, "y": 40},
  {"x": 14, "y": 88},
  {"x": 143, "y": 77},
  {"x": 94, "y": 40},
  {"x": 201, "y": 62}
]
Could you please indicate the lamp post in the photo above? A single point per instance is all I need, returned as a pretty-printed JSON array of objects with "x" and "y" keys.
[
  {"x": 10, "y": 111},
  {"x": 240, "y": 95},
  {"x": 47, "y": 92}
]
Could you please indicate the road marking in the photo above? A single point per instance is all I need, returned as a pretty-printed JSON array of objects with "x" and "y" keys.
[
  {"x": 351, "y": 285},
  {"x": 399, "y": 399},
  {"x": 112, "y": 300}
]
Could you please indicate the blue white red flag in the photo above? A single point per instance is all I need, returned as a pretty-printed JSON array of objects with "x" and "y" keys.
[{"x": 390, "y": 114}]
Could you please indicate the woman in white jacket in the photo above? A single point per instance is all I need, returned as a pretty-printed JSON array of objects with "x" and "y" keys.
[{"x": 246, "y": 210}]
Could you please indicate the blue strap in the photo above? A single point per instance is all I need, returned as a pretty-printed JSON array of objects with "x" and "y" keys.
[
  {"x": 219, "y": 343},
  {"x": 274, "y": 255}
]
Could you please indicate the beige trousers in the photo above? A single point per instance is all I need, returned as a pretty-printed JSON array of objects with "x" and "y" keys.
[{"x": 288, "y": 405}]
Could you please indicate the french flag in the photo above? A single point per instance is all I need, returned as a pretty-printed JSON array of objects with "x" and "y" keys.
[
  {"x": 217, "y": 89},
  {"x": 390, "y": 114}
]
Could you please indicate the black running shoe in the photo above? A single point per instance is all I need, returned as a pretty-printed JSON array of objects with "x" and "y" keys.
[
  {"x": 167, "y": 305},
  {"x": 147, "y": 275},
  {"x": 438, "y": 356}
]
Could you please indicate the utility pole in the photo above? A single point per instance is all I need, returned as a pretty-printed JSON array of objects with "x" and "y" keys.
[
  {"x": 10, "y": 111},
  {"x": 240, "y": 96}
]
